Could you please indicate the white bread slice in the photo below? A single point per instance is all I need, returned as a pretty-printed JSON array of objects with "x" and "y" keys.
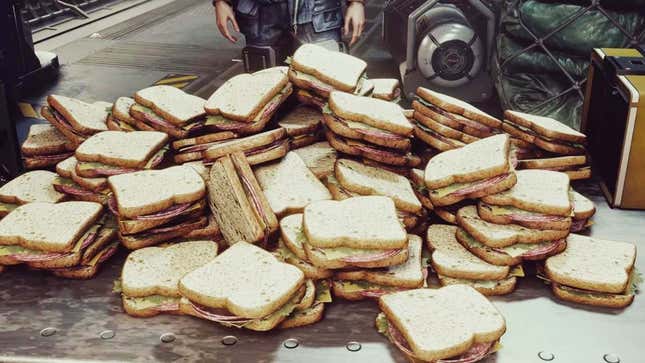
[
  {"x": 301, "y": 121},
  {"x": 157, "y": 270},
  {"x": 371, "y": 111},
  {"x": 171, "y": 103},
  {"x": 243, "y": 96},
  {"x": 289, "y": 185},
  {"x": 127, "y": 149},
  {"x": 360, "y": 222},
  {"x": 462, "y": 315},
  {"x": 542, "y": 191},
  {"x": 32, "y": 186},
  {"x": 319, "y": 158},
  {"x": 121, "y": 110},
  {"x": 583, "y": 207},
  {"x": 546, "y": 126},
  {"x": 593, "y": 264},
  {"x": 482, "y": 159},
  {"x": 67, "y": 169},
  {"x": 44, "y": 139},
  {"x": 84, "y": 117},
  {"x": 458, "y": 106},
  {"x": 385, "y": 88},
  {"x": 245, "y": 279},
  {"x": 47, "y": 226},
  {"x": 174, "y": 185},
  {"x": 450, "y": 258},
  {"x": 408, "y": 274},
  {"x": 367, "y": 180},
  {"x": 340, "y": 70}
]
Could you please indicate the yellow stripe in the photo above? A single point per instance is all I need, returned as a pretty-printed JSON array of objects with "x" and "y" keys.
[
  {"x": 28, "y": 110},
  {"x": 180, "y": 85},
  {"x": 176, "y": 79}
]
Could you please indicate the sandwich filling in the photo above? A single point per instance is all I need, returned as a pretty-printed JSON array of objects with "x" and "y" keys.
[
  {"x": 148, "y": 116},
  {"x": 169, "y": 214},
  {"x": 520, "y": 215},
  {"x": 463, "y": 189},
  {"x": 320, "y": 87},
  {"x": 528, "y": 251},
  {"x": 69, "y": 187},
  {"x": 451, "y": 142},
  {"x": 91, "y": 263},
  {"x": 520, "y": 128},
  {"x": 458, "y": 118},
  {"x": 363, "y": 128},
  {"x": 94, "y": 169},
  {"x": 307, "y": 97}
]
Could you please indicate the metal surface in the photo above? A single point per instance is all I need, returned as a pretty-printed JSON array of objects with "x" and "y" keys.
[{"x": 539, "y": 328}]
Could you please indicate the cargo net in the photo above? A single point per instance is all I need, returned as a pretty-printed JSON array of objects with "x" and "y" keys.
[{"x": 543, "y": 50}]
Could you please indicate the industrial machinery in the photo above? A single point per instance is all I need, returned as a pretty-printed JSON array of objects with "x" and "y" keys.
[{"x": 444, "y": 45}]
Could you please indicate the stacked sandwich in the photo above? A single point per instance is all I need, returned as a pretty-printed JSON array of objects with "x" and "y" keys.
[
  {"x": 75, "y": 119},
  {"x": 79, "y": 188},
  {"x": 228, "y": 290},
  {"x": 319, "y": 158},
  {"x": 69, "y": 239},
  {"x": 192, "y": 149},
  {"x": 45, "y": 146},
  {"x": 176, "y": 208},
  {"x": 33, "y": 186},
  {"x": 446, "y": 123},
  {"x": 119, "y": 118},
  {"x": 583, "y": 210},
  {"x": 388, "y": 89},
  {"x": 259, "y": 148},
  {"x": 562, "y": 147},
  {"x": 317, "y": 71},
  {"x": 303, "y": 126},
  {"x": 370, "y": 128}
]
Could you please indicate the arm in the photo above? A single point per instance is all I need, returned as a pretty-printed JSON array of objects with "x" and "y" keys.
[
  {"x": 223, "y": 14},
  {"x": 354, "y": 18}
]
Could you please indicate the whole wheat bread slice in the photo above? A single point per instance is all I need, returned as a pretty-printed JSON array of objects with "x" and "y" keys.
[{"x": 44, "y": 139}]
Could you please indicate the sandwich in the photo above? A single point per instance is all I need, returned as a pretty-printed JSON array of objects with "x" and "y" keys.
[
  {"x": 321, "y": 71},
  {"x": 247, "y": 102},
  {"x": 241, "y": 209},
  {"x": 192, "y": 149},
  {"x": 150, "y": 276},
  {"x": 575, "y": 166},
  {"x": 79, "y": 188},
  {"x": 119, "y": 152},
  {"x": 388, "y": 89},
  {"x": 227, "y": 290},
  {"x": 75, "y": 119},
  {"x": 359, "y": 284},
  {"x": 289, "y": 186},
  {"x": 32, "y": 186},
  {"x": 506, "y": 244},
  {"x": 70, "y": 239},
  {"x": 45, "y": 146},
  {"x": 303, "y": 126},
  {"x": 539, "y": 200},
  {"x": 259, "y": 148},
  {"x": 594, "y": 272},
  {"x": 473, "y": 171},
  {"x": 169, "y": 109},
  {"x": 583, "y": 210},
  {"x": 544, "y": 132},
  {"x": 319, "y": 158},
  {"x": 470, "y": 326},
  {"x": 176, "y": 207},
  {"x": 311, "y": 99},
  {"x": 417, "y": 180},
  {"x": 119, "y": 118},
  {"x": 454, "y": 264}
]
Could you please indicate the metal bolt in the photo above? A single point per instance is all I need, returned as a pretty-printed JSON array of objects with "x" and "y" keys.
[
  {"x": 611, "y": 358},
  {"x": 229, "y": 340},
  {"x": 107, "y": 334},
  {"x": 546, "y": 356},
  {"x": 47, "y": 332},
  {"x": 291, "y": 343},
  {"x": 353, "y": 346},
  {"x": 167, "y": 338}
]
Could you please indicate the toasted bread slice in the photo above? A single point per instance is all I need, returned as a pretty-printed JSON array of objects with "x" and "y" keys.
[
  {"x": 324, "y": 64},
  {"x": 546, "y": 126},
  {"x": 301, "y": 121},
  {"x": 171, "y": 103},
  {"x": 377, "y": 113},
  {"x": 32, "y": 186},
  {"x": 84, "y": 117},
  {"x": 388, "y": 89},
  {"x": 289, "y": 185},
  {"x": 457, "y": 106},
  {"x": 127, "y": 149},
  {"x": 44, "y": 139}
]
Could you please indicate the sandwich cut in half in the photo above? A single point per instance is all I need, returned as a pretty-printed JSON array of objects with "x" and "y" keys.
[
  {"x": 388, "y": 89},
  {"x": 118, "y": 152},
  {"x": 258, "y": 148},
  {"x": 170, "y": 110},
  {"x": 45, "y": 146},
  {"x": 227, "y": 289},
  {"x": 454, "y": 264},
  {"x": 594, "y": 272},
  {"x": 247, "y": 102},
  {"x": 70, "y": 239},
  {"x": 506, "y": 244},
  {"x": 539, "y": 200},
  {"x": 32, "y": 186},
  {"x": 583, "y": 210},
  {"x": 75, "y": 119},
  {"x": 176, "y": 207},
  {"x": 319, "y": 158},
  {"x": 359, "y": 284},
  {"x": 150, "y": 276},
  {"x": 289, "y": 185},
  {"x": 303, "y": 126},
  {"x": 79, "y": 188},
  {"x": 241, "y": 209},
  {"x": 192, "y": 149},
  {"x": 574, "y": 166},
  {"x": 473, "y": 171},
  {"x": 544, "y": 132},
  {"x": 451, "y": 324}
]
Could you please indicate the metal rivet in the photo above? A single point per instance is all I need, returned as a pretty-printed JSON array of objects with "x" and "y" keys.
[
  {"x": 546, "y": 356},
  {"x": 47, "y": 332},
  {"x": 611, "y": 358},
  {"x": 229, "y": 340},
  {"x": 167, "y": 338},
  {"x": 291, "y": 343},
  {"x": 353, "y": 346},
  {"x": 107, "y": 334}
]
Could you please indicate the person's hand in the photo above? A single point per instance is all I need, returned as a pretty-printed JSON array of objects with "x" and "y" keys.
[
  {"x": 354, "y": 19},
  {"x": 224, "y": 13}
]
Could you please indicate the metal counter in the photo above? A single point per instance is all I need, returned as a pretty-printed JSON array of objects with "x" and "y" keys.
[{"x": 89, "y": 324}]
